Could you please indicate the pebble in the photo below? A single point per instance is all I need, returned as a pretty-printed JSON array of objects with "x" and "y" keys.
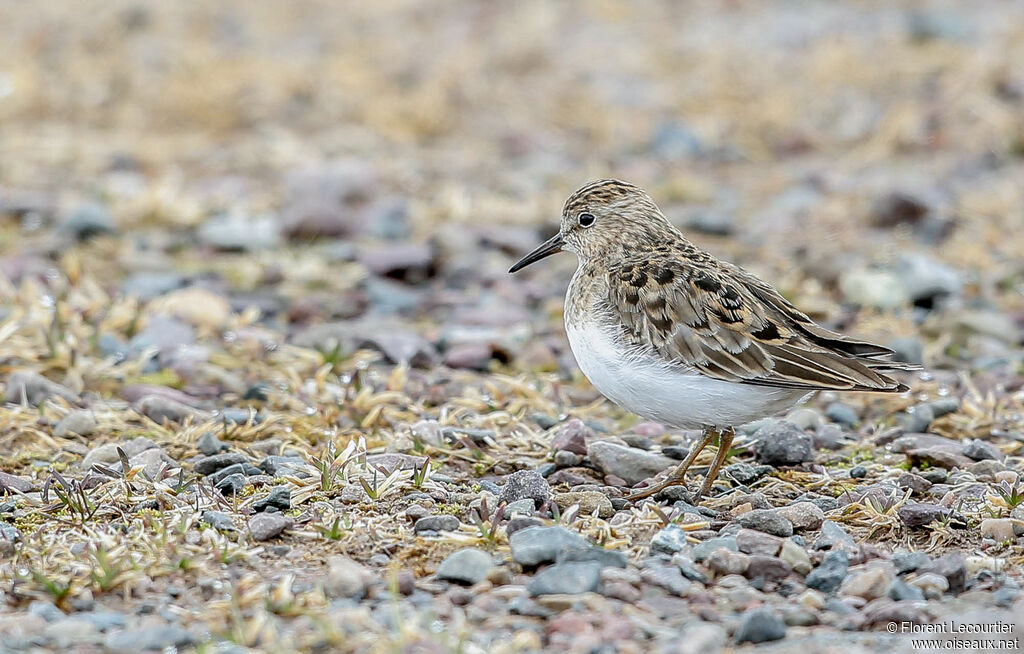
[
  {"x": 209, "y": 444},
  {"x": 572, "y": 437},
  {"x": 219, "y": 521},
  {"x": 703, "y": 550},
  {"x": 265, "y": 526},
  {"x": 953, "y": 567},
  {"x": 768, "y": 521},
  {"x": 437, "y": 523},
  {"x": 932, "y": 586},
  {"x": 842, "y": 414},
  {"x": 909, "y": 561},
  {"x": 832, "y": 536},
  {"x": 143, "y": 639},
  {"x": 32, "y": 388},
  {"x": 589, "y": 501},
  {"x": 781, "y": 443},
  {"x": 830, "y": 437},
  {"x": 999, "y": 529},
  {"x": 630, "y": 464},
  {"x": 607, "y": 558},
  {"x": 830, "y": 573},
  {"x": 12, "y": 482},
  {"x": 726, "y": 562},
  {"x": 767, "y": 567},
  {"x": 279, "y": 498},
  {"x": 760, "y": 625},
  {"x": 668, "y": 578},
  {"x": 796, "y": 557},
  {"x": 900, "y": 590},
  {"x": 466, "y": 566},
  {"x": 107, "y": 453},
  {"x": 916, "y": 483},
  {"x": 916, "y": 514},
  {"x": 566, "y": 578},
  {"x": 805, "y": 516},
  {"x": 699, "y": 637},
  {"x": 231, "y": 484},
  {"x": 869, "y": 584},
  {"x": 82, "y": 423},
  {"x": 525, "y": 484},
  {"x": 858, "y": 472},
  {"x": 162, "y": 409},
  {"x": 804, "y": 418},
  {"x": 236, "y": 231},
  {"x": 346, "y": 578},
  {"x": 745, "y": 473},
  {"x": 536, "y": 545},
  {"x": 87, "y": 220},
  {"x": 979, "y": 450},
  {"x": 751, "y": 541},
  {"x": 211, "y": 464},
  {"x": 880, "y": 289}
]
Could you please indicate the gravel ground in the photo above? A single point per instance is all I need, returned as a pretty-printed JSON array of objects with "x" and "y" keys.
[{"x": 268, "y": 386}]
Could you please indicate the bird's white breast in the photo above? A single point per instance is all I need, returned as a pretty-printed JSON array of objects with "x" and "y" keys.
[{"x": 683, "y": 399}]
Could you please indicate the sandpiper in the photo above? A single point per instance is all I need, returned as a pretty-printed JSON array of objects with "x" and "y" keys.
[{"x": 669, "y": 332}]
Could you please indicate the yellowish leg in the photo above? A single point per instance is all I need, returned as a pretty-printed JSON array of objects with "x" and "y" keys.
[
  {"x": 676, "y": 476},
  {"x": 724, "y": 443}
]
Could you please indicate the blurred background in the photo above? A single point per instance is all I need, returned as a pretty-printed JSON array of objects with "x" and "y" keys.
[{"x": 385, "y": 162}]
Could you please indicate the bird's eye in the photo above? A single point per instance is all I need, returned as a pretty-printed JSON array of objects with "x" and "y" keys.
[{"x": 587, "y": 219}]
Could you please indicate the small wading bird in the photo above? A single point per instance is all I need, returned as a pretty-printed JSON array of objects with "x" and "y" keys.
[{"x": 669, "y": 332}]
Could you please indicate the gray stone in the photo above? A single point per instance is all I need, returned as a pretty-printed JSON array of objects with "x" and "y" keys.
[
  {"x": 238, "y": 232},
  {"x": 145, "y": 639},
  {"x": 466, "y": 566},
  {"x": 907, "y": 349},
  {"x": 916, "y": 483},
  {"x": 219, "y": 521},
  {"x": 805, "y": 516},
  {"x": 82, "y": 423},
  {"x": 781, "y": 443},
  {"x": 280, "y": 498},
  {"x": 979, "y": 450},
  {"x": 909, "y": 561},
  {"x": 160, "y": 409},
  {"x": 628, "y": 463},
  {"x": 832, "y": 536},
  {"x": 572, "y": 437},
  {"x": 45, "y": 610},
  {"x": 746, "y": 474},
  {"x": 927, "y": 280},
  {"x": 669, "y": 540},
  {"x": 437, "y": 523},
  {"x": 669, "y": 578},
  {"x": 147, "y": 285},
  {"x": 917, "y": 418},
  {"x": 830, "y": 573},
  {"x": 768, "y": 521},
  {"x": 953, "y": 567},
  {"x": 771, "y": 568},
  {"x": 804, "y": 418},
  {"x": 751, "y": 541},
  {"x": 107, "y": 453},
  {"x": 760, "y": 625},
  {"x": 9, "y": 482},
  {"x": 726, "y": 562},
  {"x": 87, "y": 220},
  {"x": 830, "y": 437},
  {"x": 231, "y": 484},
  {"x": 566, "y": 579},
  {"x": 698, "y": 637},
  {"x": 265, "y": 526},
  {"x": 211, "y": 464},
  {"x": 25, "y": 386},
  {"x": 525, "y": 484},
  {"x": 880, "y": 289},
  {"x": 536, "y": 545},
  {"x": 858, "y": 472},
  {"x": 346, "y": 578},
  {"x": 900, "y": 590},
  {"x": 916, "y": 514},
  {"x": 607, "y": 558},
  {"x": 842, "y": 414},
  {"x": 702, "y": 550}
]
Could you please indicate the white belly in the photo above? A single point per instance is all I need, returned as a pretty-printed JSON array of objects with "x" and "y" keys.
[{"x": 672, "y": 396}]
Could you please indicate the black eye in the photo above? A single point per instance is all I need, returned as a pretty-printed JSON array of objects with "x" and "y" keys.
[{"x": 587, "y": 219}]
